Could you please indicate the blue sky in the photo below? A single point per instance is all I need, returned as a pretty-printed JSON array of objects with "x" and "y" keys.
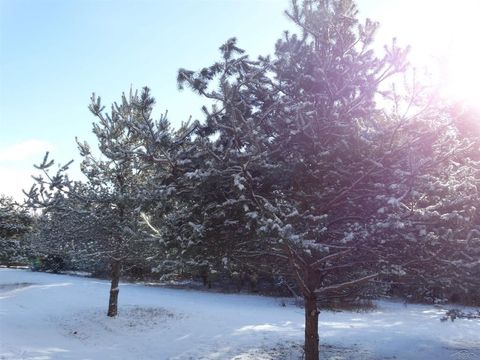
[{"x": 55, "y": 53}]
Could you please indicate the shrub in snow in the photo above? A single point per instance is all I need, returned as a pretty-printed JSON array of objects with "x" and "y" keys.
[{"x": 454, "y": 314}]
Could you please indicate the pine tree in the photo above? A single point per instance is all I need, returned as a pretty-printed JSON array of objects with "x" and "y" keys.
[
  {"x": 68, "y": 236},
  {"x": 333, "y": 184},
  {"x": 15, "y": 224},
  {"x": 119, "y": 187},
  {"x": 442, "y": 214}
]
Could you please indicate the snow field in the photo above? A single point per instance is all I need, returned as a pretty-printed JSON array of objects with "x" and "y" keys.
[{"x": 46, "y": 316}]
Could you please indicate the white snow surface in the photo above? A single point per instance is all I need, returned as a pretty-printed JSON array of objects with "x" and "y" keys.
[{"x": 45, "y": 316}]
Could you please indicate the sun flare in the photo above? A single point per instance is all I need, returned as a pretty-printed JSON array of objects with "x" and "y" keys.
[
  {"x": 445, "y": 38},
  {"x": 463, "y": 71},
  {"x": 453, "y": 34}
]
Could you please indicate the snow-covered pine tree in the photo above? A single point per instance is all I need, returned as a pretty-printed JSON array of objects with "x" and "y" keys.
[
  {"x": 119, "y": 186},
  {"x": 216, "y": 227},
  {"x": 333, "y": 183},
  {"x": 68, "y": 236},
  {"x": 15, "y": 223},
  {"x": 223, "y": 232},
  {"x": 440, "y": 213}
]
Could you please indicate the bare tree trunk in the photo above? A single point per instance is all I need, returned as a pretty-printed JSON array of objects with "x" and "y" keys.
[
  {"x": 311, "y": 327},
  {"x": 113, "y": 300}
]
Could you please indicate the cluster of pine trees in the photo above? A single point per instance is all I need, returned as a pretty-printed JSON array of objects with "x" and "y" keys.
[{"x": 308, "y": 169}]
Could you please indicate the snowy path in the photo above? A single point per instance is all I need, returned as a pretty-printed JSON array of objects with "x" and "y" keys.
[{"x": 45, "y": 316}]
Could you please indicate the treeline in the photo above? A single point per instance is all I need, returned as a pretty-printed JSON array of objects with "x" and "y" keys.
[{"x": 309, "y": 172}]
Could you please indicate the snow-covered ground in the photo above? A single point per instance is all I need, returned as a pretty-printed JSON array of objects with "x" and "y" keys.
[{"x": 46, "y": 316}]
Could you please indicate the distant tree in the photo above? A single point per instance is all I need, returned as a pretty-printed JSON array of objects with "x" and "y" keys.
[
  {"x": 15, "y": 223},
  {"x": 69, "y": 233},
  {"x": 329, "y": 181}
]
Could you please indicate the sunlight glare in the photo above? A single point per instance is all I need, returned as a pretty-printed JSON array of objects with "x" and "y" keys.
[
  {"x": 459, "y": 54},
  {"x": 444, "y": 38}
]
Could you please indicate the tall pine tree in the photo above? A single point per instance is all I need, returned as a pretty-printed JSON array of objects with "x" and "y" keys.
[{"x": 333, "y": 184}]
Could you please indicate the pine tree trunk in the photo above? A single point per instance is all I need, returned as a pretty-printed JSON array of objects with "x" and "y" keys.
[
  {"x": 311, "y": 328},
  {"x": 113, "y": 300}
]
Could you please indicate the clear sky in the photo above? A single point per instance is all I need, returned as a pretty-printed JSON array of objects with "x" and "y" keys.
[{"x": 55, "y": 53}]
